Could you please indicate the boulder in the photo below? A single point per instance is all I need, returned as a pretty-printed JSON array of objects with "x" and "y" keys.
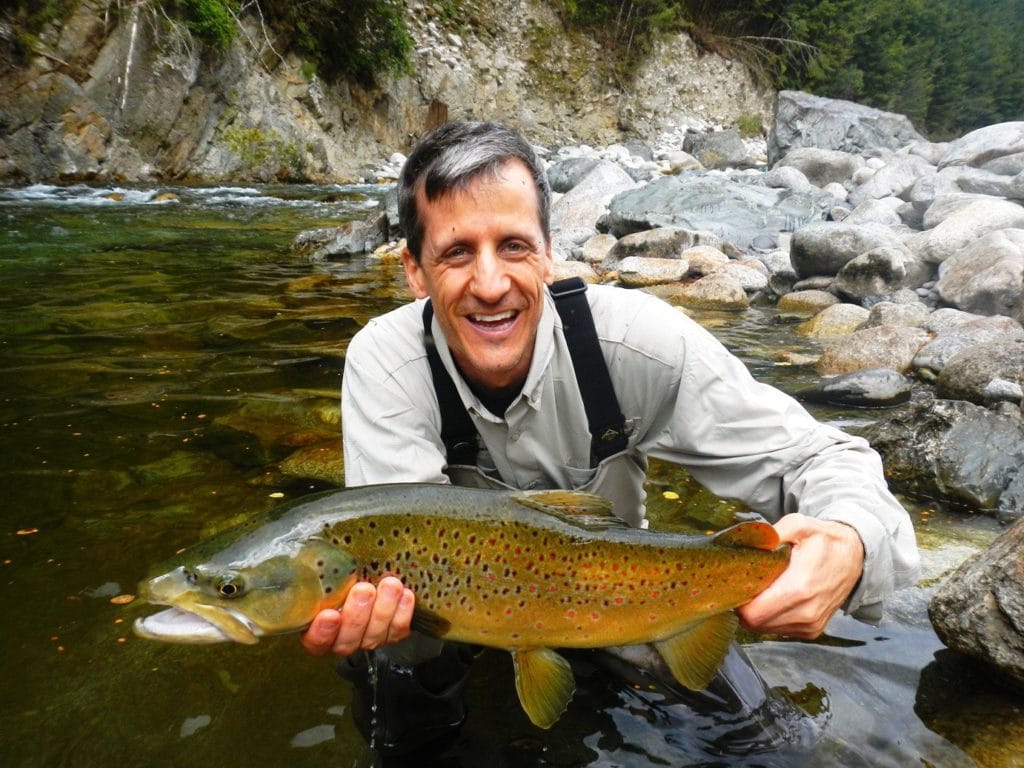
[
  {"x": 565, "y": 174},
  {"x": 951, "y": 450},
  {"x": 985, "y": 145},
  {"x": 581, "y": 207},
  {"x": 822, "y": 167},
  {"x": 987, "y": 276},
  {"x": 751, "y": 274},
  {"x": 704, "y": 259},
  {"x": 880, "y": 272},
  {"x": 979, "y": 608},
  {"x": 717, "y": 291},
  {"x": 933, "y": 356},
  {"x": 737, "y": 212},
  {"x": 968, "y": 374},
  {"x": 970, "y": 223},
  {"x": 833, "y": 322},
  {"x": 595, "y": 249},
  {"x": 806, "y": 302},
  {"x": 660, "y": 243},
  {"x": 639, "y": 271},
  {"x": 867, "y": 388},
  {"x": 895, "y": 179},
  {"x": 717, "y": 149},
  {"x": 914, "y": 315},
  {"x": 803, "y": 120},
  {"x": 884, "y": 346},
  {"x": 825, "y": 247}
]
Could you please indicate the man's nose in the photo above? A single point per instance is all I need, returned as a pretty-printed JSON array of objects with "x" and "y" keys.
[{"x": 490, "y": 277}]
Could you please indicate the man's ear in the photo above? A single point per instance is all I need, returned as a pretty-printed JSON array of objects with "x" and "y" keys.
[
  {"x": 414, "y": 275},
  {"x": 549, "y": 264}
]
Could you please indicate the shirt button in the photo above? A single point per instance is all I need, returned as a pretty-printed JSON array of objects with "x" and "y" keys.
[{"x": 514, "y": 435}]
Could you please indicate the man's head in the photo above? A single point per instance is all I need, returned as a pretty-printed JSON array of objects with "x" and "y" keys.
[
  {"x": 451, "y": 157},
  {"x": 474, "y": 202}
]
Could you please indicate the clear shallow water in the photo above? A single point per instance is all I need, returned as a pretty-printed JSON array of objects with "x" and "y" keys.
[{"x": 167, "y": 366}]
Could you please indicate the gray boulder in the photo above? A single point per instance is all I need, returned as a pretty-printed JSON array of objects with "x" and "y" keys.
[
  {"x": 884, "y": 346},
  {"x": 868, "y": 388},
  {"x": 660, "y": 243},
  {"x": 880, "y": 272},
  {"x": 985, "y": 145},
  {"x": 896, "y": 178},
  {"x": 952, "y": 450},
  {"x": 718, "y": 149},
  {"x": 987, "y": 277},
  {"x": 823, "y": 248},
  {"x": 891, "y": 313},
  {"x": 969, "y": 374},
  {"x": 979, "y": 609},
  {"x": 803, "y": 120},
  {"x": 822, "y": 167},
  {"x": 933, "y": 356},
  {"x": 563, "y": 175},
  {"x": 738, "y": 212},
  {"x": 962, "y": 228}
]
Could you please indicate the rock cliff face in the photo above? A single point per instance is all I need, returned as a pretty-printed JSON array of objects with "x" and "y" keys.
[{"x": 133, "y": 97}]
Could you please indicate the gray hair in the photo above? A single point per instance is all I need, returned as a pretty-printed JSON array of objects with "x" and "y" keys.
[{"x": 456, "y": 154}]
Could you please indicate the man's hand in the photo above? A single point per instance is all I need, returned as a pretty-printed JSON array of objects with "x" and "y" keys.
[
  {"x": 824, "y": 566},
  {"x": 369, "y": 618}
]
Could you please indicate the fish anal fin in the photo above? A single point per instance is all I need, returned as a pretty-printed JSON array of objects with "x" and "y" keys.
[
  {"x": 583, "y": 509},
  {"x": 429, "y": 623},
  {"x": 752, "y": 533},
  {"x": 545, "y": 684},
  {"x": 696, "y": 653}
]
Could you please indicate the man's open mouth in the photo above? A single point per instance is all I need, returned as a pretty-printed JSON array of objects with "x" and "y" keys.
[{"x": 497, "y": 321}]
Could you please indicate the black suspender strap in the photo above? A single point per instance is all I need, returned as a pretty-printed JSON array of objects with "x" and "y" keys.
[
  {"x": 608, "y": 434},
  {"x": 605, "y": 421},
  {"x": 457, "y": 430}
]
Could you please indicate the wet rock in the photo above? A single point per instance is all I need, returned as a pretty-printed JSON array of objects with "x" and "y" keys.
[
  {"x": 350, "y": 239},
  {"x": 969, "y": 373},
  {"x": 914, "y": 314},
  {"x": 868, "y": 388},
  {"x": 952, "y": 450},
  {"x": 825, "y": 247},
  {"x": 987, "y": 277},
  {"x": 704, "y": 259},
  {"x": 833, "y": 322},
  {"x": 885, "y": 346},
  {"x": 803, "y": 120},
  {"x": 806, "y": 302},
  {"x": 320, "y": 461},
  {"x": 979, "y": 609},
  {"x": 717, "y": 291}
]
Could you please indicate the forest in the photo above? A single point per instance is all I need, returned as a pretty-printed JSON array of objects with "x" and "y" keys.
[{"x": 949, "y": 65}]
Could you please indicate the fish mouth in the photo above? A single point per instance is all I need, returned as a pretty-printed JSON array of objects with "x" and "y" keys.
[{"x": 176, "y": 625}]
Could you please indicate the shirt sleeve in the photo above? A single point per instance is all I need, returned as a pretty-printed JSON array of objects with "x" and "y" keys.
[
  {"x": 749, "y": 441},
  {"x": 389, "y": 435}
]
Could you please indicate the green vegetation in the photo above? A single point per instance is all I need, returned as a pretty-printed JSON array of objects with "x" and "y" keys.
[
  {"x": 264, "y": 150},
  {"x": 949, "y": 65},
  {"x": 211, "y": 21},
  {"x": 749, "y": 125}
]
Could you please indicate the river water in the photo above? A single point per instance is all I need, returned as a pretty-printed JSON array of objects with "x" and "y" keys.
[{"x": 169, "y": 366}]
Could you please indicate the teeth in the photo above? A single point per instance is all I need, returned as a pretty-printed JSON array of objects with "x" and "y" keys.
[{"x": 493, "y": 318}]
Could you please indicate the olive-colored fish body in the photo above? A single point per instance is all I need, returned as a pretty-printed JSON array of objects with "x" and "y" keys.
[{"x": 522, "y": 571}]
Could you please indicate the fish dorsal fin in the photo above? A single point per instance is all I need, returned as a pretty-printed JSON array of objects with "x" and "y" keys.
[
  {"x": 583, "y": 509},
  {"x": 429, "y": 623},
  {"x": 545, "y": 684},
  {"x": 752, "y": 533},
  {"x": 696, "y": 653}
]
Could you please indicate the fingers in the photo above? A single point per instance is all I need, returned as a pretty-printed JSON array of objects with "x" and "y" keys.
[
  {"x": 825, "y": 563},
  {"x": 369, "y": 618}
]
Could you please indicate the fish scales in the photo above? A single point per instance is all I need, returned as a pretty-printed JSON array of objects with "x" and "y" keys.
[{"x": 524, "y": 571}]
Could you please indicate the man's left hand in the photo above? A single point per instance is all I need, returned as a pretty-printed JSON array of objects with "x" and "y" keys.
[{"x": 824, "y": 566}]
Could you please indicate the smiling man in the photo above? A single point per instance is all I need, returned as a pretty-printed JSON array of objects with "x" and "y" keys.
[{"x": 494, "y": 378}]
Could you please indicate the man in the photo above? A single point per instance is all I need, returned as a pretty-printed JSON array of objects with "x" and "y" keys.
[{"x": 474, "y": 203}]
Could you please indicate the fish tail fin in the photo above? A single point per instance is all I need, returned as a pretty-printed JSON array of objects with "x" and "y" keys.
[
  {"x": 545, "y": 684},
  {"x": 696, "y": 653}
]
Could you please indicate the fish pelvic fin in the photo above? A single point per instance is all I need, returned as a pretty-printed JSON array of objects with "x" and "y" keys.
[
  {"x": 545, "y": 684},
  {"x": 429, "y": 623},
  {"x": 752, "y": 533},
  {"x": 696, "y": 653},
  {"x": 583, "y": 509}
]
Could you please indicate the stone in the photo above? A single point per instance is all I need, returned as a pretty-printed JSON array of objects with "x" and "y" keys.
[
  {"x": 581, "y": 207},
  {"x": 803, "y": 120},
  {"x": 639, "y": 271},
  {"x": 933, "y": 356},
  {"x": 876, "y": 211},
  {"x": 566, "y": 174},
  {"x": 833, "y": 322},
  {"x": 884, "y": 346},
  {"x": 822, "y": 167},
  {"x": 979, "y": 609},
  {"x": 806, "y": 302},
  {"x": 718, "y": 149},
  {"x": 704, "y": 259},
  {"x": 895, "y": 179},
  {"x": 867, "y": 388},
  {"x": 970, "y": 223},
  {"x": 985, "y": 144},
  {"x": 595, "y": 249},
  {"x": 564, "y": 269},
  {"x": 660, "y": 243},
  {"x": 968, "y": 373},
  {"x": 987, "y": 276},
  {"x": 717, "y": 291},
  {"x": 880, "y": 272},
  {"x": 890, "y": 313},
  {"x": 825, "y": 247},
  {"x": 751, "y": 274},
  {"x": 787, "y": 177}
]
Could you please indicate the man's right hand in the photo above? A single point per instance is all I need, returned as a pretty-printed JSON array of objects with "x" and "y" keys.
[{"x": 369, "y": 618}]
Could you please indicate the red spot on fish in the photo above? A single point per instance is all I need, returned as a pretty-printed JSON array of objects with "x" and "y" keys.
[
  {"x": 655, "y": 594},
  {"x": 595, "y": 616},
  {"x": 619, "y": 601}
]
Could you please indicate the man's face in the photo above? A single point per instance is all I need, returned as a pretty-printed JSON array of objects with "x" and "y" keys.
[{"x": 484, "y": 263}]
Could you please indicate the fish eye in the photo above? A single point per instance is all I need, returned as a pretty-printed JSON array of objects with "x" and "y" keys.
[{"x": 231, "y": 586}]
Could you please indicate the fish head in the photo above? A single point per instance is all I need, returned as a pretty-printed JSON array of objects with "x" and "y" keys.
[{"x": 243, "y": 600}]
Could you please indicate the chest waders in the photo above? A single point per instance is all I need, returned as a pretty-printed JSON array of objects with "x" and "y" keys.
[{"x": 404, "y": 708}]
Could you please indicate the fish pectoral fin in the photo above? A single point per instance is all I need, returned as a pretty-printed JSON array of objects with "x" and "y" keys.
[
  {"x": 696, "y": 653},
  {"x": 545, "y": 684},
  {"x": 752, "y": 533},
  {"x": 429, "y": 623},
  {"x": 582, "y": 509}
]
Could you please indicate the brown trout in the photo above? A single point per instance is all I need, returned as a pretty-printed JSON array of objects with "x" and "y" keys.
[{"x": 523, "y": 571}]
